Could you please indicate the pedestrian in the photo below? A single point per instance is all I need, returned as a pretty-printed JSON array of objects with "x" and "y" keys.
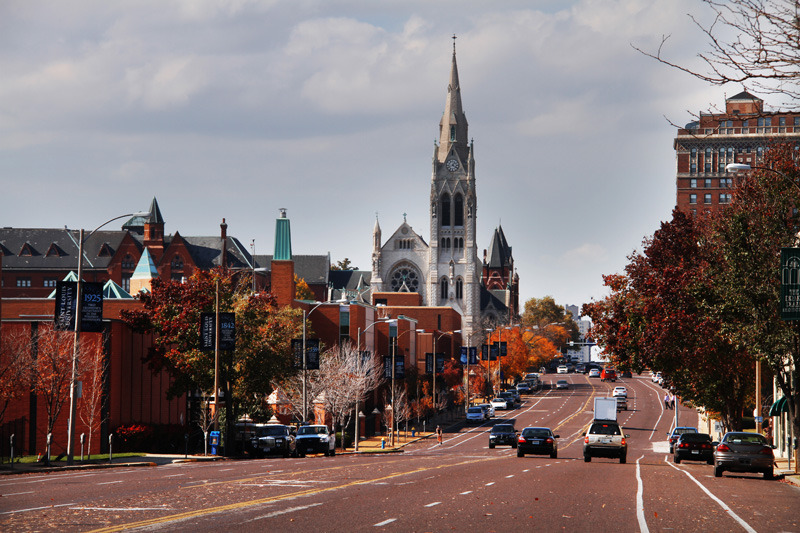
[
  {"x": 666, "y": 400},
  {"x": 672, "y": 401},
  {"x": 439, "y": 434}
]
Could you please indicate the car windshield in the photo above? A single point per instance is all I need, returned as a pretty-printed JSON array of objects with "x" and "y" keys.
[
  {"x": 475, "y": 410},
  {"x": 503, "y": 428},
  {"x": 695, "y": 437},
  {"x": 605, "y": 429},
  {"x": 681, "y": 431},
  {"x": 562, "y": 381},
  {"x": 745, "y": 438},
  {"x": 274, "y": 431},
  {"x": 536, "y": 432},
  {"x": 312, "y": 430}
]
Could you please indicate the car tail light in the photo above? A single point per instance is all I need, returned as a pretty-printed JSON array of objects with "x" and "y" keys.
[
  {"x": 549, "y": 440},
  {"x": 623, "y": 441},
  {"x": 586, "y": 440},
  {"x": 723, "y": 448},
  {"x": 766, "y": 450},
  {"x": 521, "y": 439}
]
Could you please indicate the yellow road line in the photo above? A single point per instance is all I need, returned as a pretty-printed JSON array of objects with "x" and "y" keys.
[{"x": 233, "y": 506}]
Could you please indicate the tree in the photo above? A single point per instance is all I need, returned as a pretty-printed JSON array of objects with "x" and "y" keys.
[
  {"x": 15, "y": 367},
  {"x": 171, "y": 312},
  {"x": 94, "y": 368},
  {"x": 751, "y": 41},
  {"x": 344, "y": 264},
  {"x": 302, "y": 291},
  {"x": 542, "y": 314}
]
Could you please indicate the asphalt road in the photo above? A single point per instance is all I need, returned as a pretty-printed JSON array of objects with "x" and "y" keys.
[{"x": 461, "y": 485}]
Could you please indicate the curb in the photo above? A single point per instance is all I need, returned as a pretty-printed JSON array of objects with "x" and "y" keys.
[{"x": 74, "y": 468}]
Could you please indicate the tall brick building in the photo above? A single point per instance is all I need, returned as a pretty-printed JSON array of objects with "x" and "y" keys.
[{"x": 739, "y": 135}]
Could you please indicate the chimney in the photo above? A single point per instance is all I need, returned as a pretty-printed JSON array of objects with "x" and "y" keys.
[{"x": 223, "y": 234}]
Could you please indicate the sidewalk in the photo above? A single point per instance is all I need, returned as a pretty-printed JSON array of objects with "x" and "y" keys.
[
  {"x": 376, "y": 444},
  {"x": 130, "y": 462},
  {"x": 782, "y": 470}
]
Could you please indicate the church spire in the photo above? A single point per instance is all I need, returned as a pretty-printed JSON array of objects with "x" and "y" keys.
[{"x": 453, "y": 126}]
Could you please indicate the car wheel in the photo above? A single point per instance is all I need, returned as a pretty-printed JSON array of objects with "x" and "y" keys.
[
  {"x": 587, "y": 458},
  {"x": 491, "y": 446},
  {"x": 519, "y": 453},
  {"x": 554, "y": 454},
  {"x": 768, "y": 474},
  {"x": 676, "y": 459},
  {"x": 710, "y": 462},
  {"x": 623, "y": 459},
  {"x": 671, "y": 449},
  {"x": 718, "y": 470}
]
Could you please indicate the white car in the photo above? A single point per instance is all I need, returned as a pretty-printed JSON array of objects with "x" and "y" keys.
[
  {"x": 562, "y": 369},
  {"x": 657, "y": 377},
  {"x": 488, "y": 408},
  {"x": 619, "y": 391},
  {"x": 499, "y": 403},
  {"x": 594, "y": 373}
]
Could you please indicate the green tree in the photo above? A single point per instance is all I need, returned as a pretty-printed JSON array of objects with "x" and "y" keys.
[
  {"x": 344, "y": 264},
  {"x": 541, "y": 314}
]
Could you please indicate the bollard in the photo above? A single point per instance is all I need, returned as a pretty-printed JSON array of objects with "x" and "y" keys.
[
  {"x": 383, "y": 443},
  {"x": 83, "y": 436},
  {"x": 413, "y": 432},
  {"x": 47, "y": 457},
  {"x": 185, "y": 445},
  {"x": 12, "y": 450},
  {"x": 110, "y": 447}
]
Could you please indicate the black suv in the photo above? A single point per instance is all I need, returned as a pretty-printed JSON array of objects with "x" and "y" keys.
[
  {"x": 272, "y": 439},
  {"x": 503, "y": 434}
]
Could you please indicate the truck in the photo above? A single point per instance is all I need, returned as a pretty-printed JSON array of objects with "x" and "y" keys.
[{"x": 605, "y": 409}]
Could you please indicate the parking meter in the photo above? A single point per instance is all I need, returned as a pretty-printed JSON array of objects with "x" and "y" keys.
[{"x": 213, "y": 441}]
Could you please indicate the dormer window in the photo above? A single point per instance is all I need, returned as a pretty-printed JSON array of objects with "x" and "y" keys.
[{"x": 177, "y": 263}]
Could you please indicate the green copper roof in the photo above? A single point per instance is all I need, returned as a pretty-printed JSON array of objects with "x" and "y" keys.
[
  {"x": 283, "y": 239},
  {"x": 145, "y": 268},
  {"x": 112, "y": 291}
]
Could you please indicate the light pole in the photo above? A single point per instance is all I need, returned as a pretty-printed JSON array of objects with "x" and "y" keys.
[
  {"x": 358, "y": 354},
  {"x": 394, "y": 352},
  {"x": 73, "y": 380}
]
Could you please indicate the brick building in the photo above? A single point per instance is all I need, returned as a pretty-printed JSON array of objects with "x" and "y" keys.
[{"x": 739, "y": 135}]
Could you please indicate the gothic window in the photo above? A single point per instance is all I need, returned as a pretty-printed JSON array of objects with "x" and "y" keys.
[
  {"x": 404, "y": 278},
  {"x": 445, "y": 210},
  {"x": 443, "y": 288},
  {"x": 459, "y": 210},
  {"x": 452, "y": 133},
  {"x": 177, "y": 263},
  {"x": 459, "y": 288}
]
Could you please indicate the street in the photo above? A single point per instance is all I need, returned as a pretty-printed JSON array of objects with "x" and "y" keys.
[{"x": 461, "y": 485}]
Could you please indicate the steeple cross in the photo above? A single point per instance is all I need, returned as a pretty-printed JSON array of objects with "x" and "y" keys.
[{"x": 454, "y": 43}]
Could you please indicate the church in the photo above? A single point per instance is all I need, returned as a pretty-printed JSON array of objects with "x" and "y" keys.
[{"x": 447, "y": 271}]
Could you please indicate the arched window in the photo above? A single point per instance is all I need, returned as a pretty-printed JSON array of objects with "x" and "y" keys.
[
  {"x": 459, "y": 288},
  {"x": 452, "y": 133},
  {"x": 458, "y": 209},
  {"x": 404, "y": 278},
  {"x": 443, "y": 288},
  {"x": 445, "y": 210}
]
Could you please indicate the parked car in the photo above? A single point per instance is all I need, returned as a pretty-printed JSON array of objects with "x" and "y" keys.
[
  {"x": 540, "y": 441},
  {"x": 594, "y": 372},
  {"x": 562, "y": 384},
  {"x": 605, "y": 439},
  {"x": 619, "y": 391},
  {"x": 677, "y": 432},
  {"x": 504, "y": 434},
  {"x": 608, "y": 374},
  {"x": 743, "y": 452},
  {"x": 562, "y": 369},
  {"x": 315, "y": 439},
  {"x": 657, "y": 378},
  {"x": 500, "y": 403},
  {"x": 487, "y": 407},
  {"x": 694, "y": 447},
  {"x": 475, "y": 414},
  {"x": 272, "y": 439}
]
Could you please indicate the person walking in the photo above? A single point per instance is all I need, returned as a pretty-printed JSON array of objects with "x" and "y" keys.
[
  {"x": 666, "y": 400},
  {"x": 439, "y": 434},
  {"x": 672, "y": 401}
]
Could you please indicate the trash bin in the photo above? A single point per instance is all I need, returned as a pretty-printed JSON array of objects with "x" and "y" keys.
[{"x": 213, "y": 441}]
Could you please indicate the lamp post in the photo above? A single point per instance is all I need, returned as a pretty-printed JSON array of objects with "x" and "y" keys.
[
  {"x": 735, "y": 167},
  {"x": 358, "y": 354},
  {"x": 73, "y": 380},
  {"x": 395, "y": 321}
]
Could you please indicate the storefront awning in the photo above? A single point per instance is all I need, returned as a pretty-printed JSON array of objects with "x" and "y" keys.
[{"x": 781, "y": 406}]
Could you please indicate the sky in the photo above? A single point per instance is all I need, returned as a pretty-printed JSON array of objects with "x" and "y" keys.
[{"x": 330, "y": 108}]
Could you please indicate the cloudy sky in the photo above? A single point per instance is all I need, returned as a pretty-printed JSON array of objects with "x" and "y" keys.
[{"x": 236, "y": 108}]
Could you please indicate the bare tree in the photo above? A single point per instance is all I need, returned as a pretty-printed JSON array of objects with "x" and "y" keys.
[
  {"x": 15, "y": 367},
  {"x": 94, "y": 368},
  {"x": 750, "y": 41}
]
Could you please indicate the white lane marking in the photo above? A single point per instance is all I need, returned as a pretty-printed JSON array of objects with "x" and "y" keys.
[
  {"x": 511, "y": 475},
  {"x": 225, "y": 470},
  {"x": 121, "y": 509},
  {"x": 433, "y": 504},
  {"x": 38, "y": 508},
  {"x": 385, "y": 522},
  {"x": 285, "y": 511},
  {"x": 109, "y": 482},
  {"x": 640, "y": 499},
  {"x": 489, "y": 484},
  {"x": 722, "y": 504},
  {"x": 175, "y": 475},
  {"x": 661, "y": 446},
  {"x": 467, "y": 492},
  {"x": 17, "y": 494}
]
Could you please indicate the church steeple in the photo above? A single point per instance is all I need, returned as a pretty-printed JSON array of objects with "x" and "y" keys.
[{"x": 453, "y": 126}]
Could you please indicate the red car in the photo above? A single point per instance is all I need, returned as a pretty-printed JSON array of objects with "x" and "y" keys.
[{"x": 608, "y": 374}]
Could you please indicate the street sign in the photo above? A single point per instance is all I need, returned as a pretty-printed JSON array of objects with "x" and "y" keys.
[
  {"x": 790, "y": 284},
  {"x": 473, "y": 355},
  {"x": 429, "y": 363}
]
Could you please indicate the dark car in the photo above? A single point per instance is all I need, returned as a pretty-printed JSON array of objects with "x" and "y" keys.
[
  {"x": 511, "y": 401},
  {"x": 272, "y": 439},
  {"x": 314, "y": 439},
  {"x": 677, "y": 432},
  {"x": 503, "y": 434},
  {"x": 743, "y": 452},
  {"x": 694, "y": 447},
  {"x": 537, "y": 441}
]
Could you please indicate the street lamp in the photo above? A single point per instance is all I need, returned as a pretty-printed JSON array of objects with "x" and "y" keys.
[
  {"x": 73, "y": 380},
  {"x": 358, "y": 354},
  {"x": 394, "y": 321}
]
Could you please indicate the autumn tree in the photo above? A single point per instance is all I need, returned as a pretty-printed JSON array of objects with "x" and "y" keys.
[
  {"x": 302, "y": 291},
  {"x": 750, "y": 42},
  {"x": 15, "y": 366},
  {"x": 94, "y": 368},
  {"x": 172, "y": 311},
  {"x": 548, "y": 319}
]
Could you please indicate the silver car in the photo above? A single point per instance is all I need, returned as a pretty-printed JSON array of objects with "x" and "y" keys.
[{"x": 743, "y": 452}]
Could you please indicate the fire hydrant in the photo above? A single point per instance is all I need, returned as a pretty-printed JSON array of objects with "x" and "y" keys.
[{"x": 383, "y": 443}]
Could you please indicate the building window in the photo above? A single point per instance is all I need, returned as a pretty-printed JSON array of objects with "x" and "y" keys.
[
  {"x": 781, "y": 124},
  {"x": 177, "y": 263},
  {"x": 344, "y": 324},
  {"x": 724, "y": 198},
  {"x": 445, "y": 210},
  {"x": 707, "y": 183},
  {"x": 459, "y": 210},
  {"x": 443, "y": 288},
  {"x": 707, "y": 166},
  {"x": 126, "y": 282},
  {"x": 693, "y": 183},
  {"x": 726, "y": 183},
  {"x": 694, "y": 151},
  {"x": 745, "y": 126},
  {"x": 50, "y": 282},
  {"x": 692, "y": 198},
  {"x": 721, "y": 167},
  {"x": 23, "y": 282},
  {"x": 128, "y": 263},
  {"x": 693, "y": 168},
  {"x": 452, "y": 133},
  {"x": 707, "y": 198},
  {"x": 404, "y": 278},
  {"x": 459, "y": 288}
]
